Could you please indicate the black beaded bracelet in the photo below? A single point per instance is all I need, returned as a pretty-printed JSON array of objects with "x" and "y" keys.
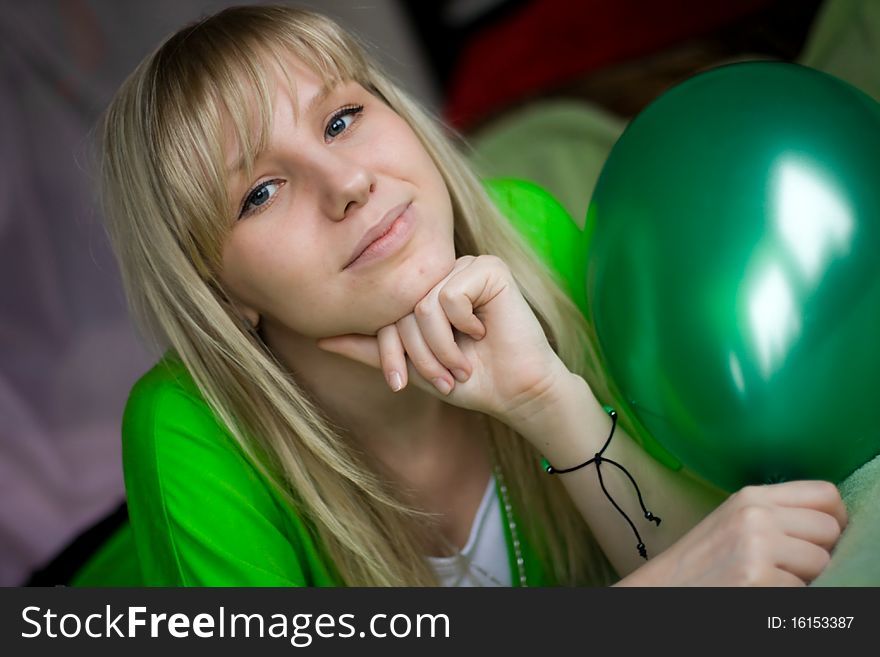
[{"x": 598, "y": 459}]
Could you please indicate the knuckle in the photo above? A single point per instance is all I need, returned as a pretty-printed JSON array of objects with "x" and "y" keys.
[
  {"x": 446, "y": 295},
  {"x": 816, "y": 563},
  {"x": 823, "y": 558},
  {"x": 427, "y": 366},
  {"x": 750, "y": 517},
  {"x": 830, "y": 526},
  {"x": 827, "y": 489},
  {"x": 423, "y": 308},
  {"x": 493, "y": 261},
  {"x": 749, "y": 494},
  {"x": 421, "y": 362}
]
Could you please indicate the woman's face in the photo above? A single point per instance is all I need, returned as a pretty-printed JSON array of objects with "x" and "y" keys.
[{"x": 340, "y": 167}]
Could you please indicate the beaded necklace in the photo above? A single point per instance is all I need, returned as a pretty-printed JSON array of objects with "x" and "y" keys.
[
  {"x": 507, "y": 511},
  {"x": 507, "y": 515}
]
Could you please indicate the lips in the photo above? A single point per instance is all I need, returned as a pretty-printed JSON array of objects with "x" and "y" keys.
[{"x": 377, "y": 231}]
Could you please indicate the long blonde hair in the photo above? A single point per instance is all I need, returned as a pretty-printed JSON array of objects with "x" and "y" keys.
[{"x": 167, "y": 210}]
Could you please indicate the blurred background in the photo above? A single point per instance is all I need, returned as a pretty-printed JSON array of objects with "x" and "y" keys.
[{"x": 540, "y": 89}]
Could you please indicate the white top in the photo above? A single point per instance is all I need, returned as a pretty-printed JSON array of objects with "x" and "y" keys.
[{"x": 483, "y": 561}]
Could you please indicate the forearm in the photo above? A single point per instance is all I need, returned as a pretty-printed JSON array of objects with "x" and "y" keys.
[{"x": 569, "y": 426}]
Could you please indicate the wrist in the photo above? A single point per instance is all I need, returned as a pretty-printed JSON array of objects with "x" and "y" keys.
[
  {"x": 531, "y": 409},
  {"x": 567, "y": 424}
]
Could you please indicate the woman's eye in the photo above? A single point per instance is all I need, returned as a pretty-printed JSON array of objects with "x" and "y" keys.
[
  {"x": 260, "y": 196},
  {"x": 342, "y": 120}
]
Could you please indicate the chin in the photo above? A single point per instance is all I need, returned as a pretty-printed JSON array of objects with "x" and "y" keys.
[
  {"x": 428, "y": 270},
  {"x": 411, "y": 285}
]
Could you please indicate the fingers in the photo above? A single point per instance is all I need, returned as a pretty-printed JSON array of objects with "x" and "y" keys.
[
  {"x": 791, "y": 528},
  {"x": 803, "y": 559},
  {"x": 361, "y": 348},
  {"x": 389, "y": 349},
  {"x": 813, "y": 494},
  {"x": 810, "y": 525},
  {"x": 779, "y": 577},
  {"x": 436, "y": 330},
  {"x": 427, "y": 333},
  {"x": 393, "y": 357},
  {"x": 422, "y": 356},
  {"x": 455, "y": 298}
]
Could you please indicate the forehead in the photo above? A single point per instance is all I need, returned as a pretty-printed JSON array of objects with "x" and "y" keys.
[
  {"x": 281, "y": 80},
  {"x": 290, "y": 75}
]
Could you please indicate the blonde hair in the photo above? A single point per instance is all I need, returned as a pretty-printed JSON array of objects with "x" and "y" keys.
[{"x": 167, "y": 209}]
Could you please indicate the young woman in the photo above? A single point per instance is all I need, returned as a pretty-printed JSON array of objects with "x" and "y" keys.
[{"x": 365, "y": 362}]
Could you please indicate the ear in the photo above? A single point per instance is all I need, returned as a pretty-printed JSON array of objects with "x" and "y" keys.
[{"x": 250, "y": 315}]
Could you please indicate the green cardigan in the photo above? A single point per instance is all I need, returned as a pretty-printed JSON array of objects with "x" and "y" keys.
[{"x": 200, "y": 512}]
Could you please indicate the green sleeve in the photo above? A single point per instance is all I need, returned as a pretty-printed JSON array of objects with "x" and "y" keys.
[
  {"x": 548, "y": 228},
  {"x": 201, "y": 514}
]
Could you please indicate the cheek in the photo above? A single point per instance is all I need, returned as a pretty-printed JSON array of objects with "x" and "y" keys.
[{"x": 267, "y": 274}]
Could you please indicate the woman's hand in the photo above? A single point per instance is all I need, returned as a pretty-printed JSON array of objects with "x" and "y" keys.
[
  {"x": 472, "y": 339},
  {"x": 772, "y": 535}
]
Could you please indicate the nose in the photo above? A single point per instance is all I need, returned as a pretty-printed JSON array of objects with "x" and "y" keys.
[{"x": 345, "y": 184}]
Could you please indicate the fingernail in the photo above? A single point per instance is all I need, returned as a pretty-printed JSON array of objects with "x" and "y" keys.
[
  {"x": 442, "y": 385},
  {"x": 460, "y": 375},
  {"x": 395, "y": 381}
]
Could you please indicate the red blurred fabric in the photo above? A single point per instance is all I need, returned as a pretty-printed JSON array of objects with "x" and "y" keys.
[{"x": 548, "y": 42}]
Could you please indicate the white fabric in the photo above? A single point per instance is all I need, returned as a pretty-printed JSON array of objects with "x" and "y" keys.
[{"x": 483, "y": 561}]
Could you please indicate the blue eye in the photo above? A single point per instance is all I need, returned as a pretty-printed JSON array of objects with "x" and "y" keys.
[
  {"x": 342, "y": 120},
  {"x": 260, "y": 196}
]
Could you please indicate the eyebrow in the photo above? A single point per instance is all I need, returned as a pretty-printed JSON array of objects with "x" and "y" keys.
[{"x": 319, "y": 97}]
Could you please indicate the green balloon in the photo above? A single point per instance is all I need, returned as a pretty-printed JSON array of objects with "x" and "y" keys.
[{"x": 733, "y": 274}]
